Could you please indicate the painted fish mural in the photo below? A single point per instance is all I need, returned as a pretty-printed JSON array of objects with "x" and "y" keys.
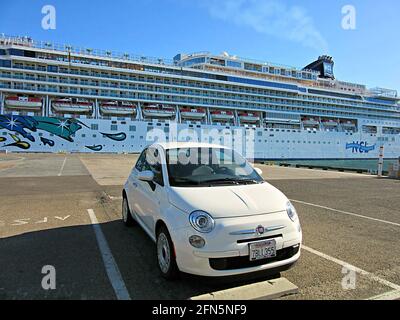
[
  {"x": 62, "y": 127},
  {"x": 47, "y": 142},
  {"x": 18, "y": 143},
  {"x": 19, "y": 124},
  {"x": 115, "y": 136},
  {"x": 95, "y": 148}
]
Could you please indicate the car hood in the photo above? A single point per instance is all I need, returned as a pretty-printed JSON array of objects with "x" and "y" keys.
[{"x": 229, "y": 201}]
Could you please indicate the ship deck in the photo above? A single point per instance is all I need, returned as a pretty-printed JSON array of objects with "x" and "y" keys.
[{"x": 346, "y": 218}]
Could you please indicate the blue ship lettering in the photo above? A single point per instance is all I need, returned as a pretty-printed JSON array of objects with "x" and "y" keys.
[{"x": 360, "y": 147}]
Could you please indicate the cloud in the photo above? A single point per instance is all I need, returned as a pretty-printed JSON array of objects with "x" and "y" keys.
[{"x": 270, "y": 17}]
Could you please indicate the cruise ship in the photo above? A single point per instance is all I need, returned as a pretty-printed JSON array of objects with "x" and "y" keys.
[{"x": 63, "y": 98}]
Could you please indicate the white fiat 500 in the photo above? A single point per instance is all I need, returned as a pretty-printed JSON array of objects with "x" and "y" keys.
[{"x": 210, "y": 212}]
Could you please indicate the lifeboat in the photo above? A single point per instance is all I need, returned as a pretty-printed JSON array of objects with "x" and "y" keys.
[
  {"x": 222, "y": 115},
  {"x": 347, "y": 124},
  {"x": 117, "y": 108},
  {"x": 330, "y": 123},
  {"x": 72, "y": 105},
  {"x": 158, "y": 111},
  {"x": 248, "y": 117},
  {"x": 193, "y": 113},
  {"x": 23, "y": 102},
  {"x": 310, "y": 121}
]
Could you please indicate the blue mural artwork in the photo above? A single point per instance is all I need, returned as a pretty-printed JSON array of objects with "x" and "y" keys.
[
  {"x": 95, "y": 148},
  {"x": 47, "y": 142},
  {"x": 360, "y": 147},
  {"x": 61, "y": 127},
  {"x": 18, "y": 143},
  {"x": 64, "y": 128},
  {"x": 116, "y": 137}
]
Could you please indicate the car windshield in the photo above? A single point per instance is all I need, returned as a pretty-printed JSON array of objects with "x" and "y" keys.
[{"x": 209, "y": 167}]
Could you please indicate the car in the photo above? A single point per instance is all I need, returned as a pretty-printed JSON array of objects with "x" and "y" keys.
[{"x": 210, "y": 212}]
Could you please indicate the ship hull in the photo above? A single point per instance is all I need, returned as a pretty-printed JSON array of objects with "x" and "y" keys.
[{"x": 51, "y": 134}]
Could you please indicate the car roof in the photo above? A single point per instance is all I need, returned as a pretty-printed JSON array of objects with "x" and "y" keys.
[{"x": 177, "y": 145}]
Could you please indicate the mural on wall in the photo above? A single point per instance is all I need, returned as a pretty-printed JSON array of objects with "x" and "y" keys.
[
  {"x": 18, "y": 143},
  {"x": 360, "y": 147},
  {"x": 95, "y": 148},
  {"x": 64, "y": 128},
  {"x": 116, "y": 137},
  {"x": 47, "y": 142}
]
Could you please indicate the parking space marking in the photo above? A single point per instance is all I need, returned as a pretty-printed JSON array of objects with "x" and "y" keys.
[
  {"x": 62, "y": 166},
  {"x": 346, "y": 212},
  {"x": 113, "y": 273},
  {"x": 354, "y": 268},
  {"x": 391, "y": 295}
]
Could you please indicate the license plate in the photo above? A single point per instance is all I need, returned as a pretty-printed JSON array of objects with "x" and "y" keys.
[{"x": 262, "y": 250}]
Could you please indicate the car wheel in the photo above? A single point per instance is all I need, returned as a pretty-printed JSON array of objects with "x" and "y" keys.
[
  {"x": 126, "y": 213},
  {"x": 165, "y": 255}
]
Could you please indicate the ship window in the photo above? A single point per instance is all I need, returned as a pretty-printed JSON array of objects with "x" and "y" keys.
[
  {"x": 94, "y": 126},
  {"x": 83, "y": 135},
  {"x": 94, "y": 136},
  {"x": 114, "y": 127},
  {"x": 132, "y": 128}
]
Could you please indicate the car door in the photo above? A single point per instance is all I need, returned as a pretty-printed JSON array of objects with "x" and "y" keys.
[
  {"x": 134, "y": 197},
  {"x": 149, "y": 195}
]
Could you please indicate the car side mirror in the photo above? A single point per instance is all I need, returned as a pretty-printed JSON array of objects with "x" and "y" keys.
[
  {"x": 146, "y": 176},
  {"x": 259, "y": 171}
]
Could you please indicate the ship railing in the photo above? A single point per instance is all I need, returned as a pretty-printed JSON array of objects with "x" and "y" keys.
[{"x": 82, "y": 51}]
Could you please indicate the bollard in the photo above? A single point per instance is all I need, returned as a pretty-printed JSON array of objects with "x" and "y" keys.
[{"x": 380, "y": 162}]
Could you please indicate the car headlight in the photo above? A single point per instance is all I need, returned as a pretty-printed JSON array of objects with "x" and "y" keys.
[
  {"x": 201, "y": 221},
  {"x": 291, "y": 211}
]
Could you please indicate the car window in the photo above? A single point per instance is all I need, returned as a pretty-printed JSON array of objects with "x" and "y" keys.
[
  {"x": 141, "y": 161},
  {"x": 209, "y": 166},
  {"x": 152, "y": 162}
]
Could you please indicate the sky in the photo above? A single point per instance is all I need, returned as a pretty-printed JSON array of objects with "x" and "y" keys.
[{"x": 364, "y": 40}]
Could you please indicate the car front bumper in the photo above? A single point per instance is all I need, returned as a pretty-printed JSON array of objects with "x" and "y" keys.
[{"x": 227, "y": 255}]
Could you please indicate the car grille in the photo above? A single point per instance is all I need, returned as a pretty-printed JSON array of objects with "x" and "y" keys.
[{"x": 244, "y": 261}]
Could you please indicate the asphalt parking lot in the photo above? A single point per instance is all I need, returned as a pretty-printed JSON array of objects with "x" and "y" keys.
[{"x": 350, "y": 222}]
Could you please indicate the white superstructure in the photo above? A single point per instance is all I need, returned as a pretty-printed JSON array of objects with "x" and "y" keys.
[{"x": 63, "y": 98}]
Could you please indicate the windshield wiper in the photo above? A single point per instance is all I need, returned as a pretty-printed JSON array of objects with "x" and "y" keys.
[
  {"x": 221, "y": 180},
  {"x": 184, "y": 181},
  {"x": 232, "y": 180},
  {"x": 249, "y": 181}
]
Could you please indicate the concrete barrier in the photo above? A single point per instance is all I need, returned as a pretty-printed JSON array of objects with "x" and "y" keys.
[{"x": 266, "y": 290}]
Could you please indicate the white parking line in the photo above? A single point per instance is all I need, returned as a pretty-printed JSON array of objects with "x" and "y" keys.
[
  {"x": 113, "y": 273},
  {"x": 349, "y": 266},
  {"x": 115, "y": 198},
  {"x": 348, "y": 213},
  {"x": 62, "y": 166},
  {"x": 391, "y": 295}
]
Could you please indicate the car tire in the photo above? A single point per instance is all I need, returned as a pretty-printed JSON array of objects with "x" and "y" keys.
[
  {"x": 126, "y": 213},
  {"x": 166, "y": 255}
]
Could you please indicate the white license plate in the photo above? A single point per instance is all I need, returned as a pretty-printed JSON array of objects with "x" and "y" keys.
[{"x": 262, "y": 250}]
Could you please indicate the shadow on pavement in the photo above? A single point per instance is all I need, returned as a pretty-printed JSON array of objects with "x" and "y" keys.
[{"x": 80, "y": 272}]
